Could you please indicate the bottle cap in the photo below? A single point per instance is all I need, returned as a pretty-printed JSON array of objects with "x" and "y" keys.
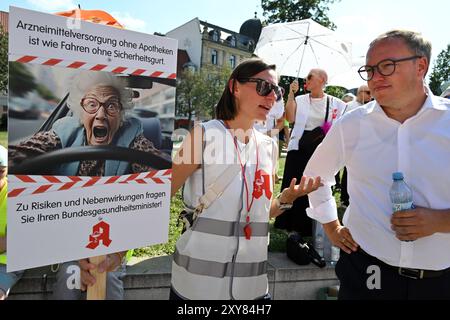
[{"x": 397, "y": 176}]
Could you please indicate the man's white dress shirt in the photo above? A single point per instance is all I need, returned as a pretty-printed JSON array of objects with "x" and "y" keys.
[{"x": 372, "y": 146}]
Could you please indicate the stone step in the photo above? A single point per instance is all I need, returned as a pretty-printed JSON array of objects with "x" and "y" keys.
[{"x": 149, "y": 279}]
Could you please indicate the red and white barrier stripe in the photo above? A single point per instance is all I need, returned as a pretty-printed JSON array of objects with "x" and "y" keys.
[
  {"x": 45, "y": 184},
  {"x": 91, "y": 66}
]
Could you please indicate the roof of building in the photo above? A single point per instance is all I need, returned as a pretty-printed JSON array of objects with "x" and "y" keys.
[
  {"x": 225, "y": 34},
  {"x": 251, "y": 28}
]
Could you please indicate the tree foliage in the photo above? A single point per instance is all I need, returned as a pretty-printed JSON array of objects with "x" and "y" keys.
[
  {"x": 3, "y": 60},
  {"x": 199, "y": 91},
  {"x": 441, "y": 71},
  {"x": 293, "y": 10},
  {"x": 336, "y": 91}
]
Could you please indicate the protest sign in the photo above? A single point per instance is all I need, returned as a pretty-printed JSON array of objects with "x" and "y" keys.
[{"x": 81, "y": 89}]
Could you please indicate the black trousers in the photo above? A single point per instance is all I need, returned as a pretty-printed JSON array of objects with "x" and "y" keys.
[
  {"x": 363, "y": 277},
  {"x": 295, "y": 219}
]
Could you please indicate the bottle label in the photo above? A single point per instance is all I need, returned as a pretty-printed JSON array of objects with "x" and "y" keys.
[{"x": 402, "y": 206}]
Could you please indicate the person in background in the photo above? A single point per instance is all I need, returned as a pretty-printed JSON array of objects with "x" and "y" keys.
[
  {"x": 348, "y": 97},
  {"x": 386, "y": 255},
  {"x": 308, "y": 112},
  {"x": 273, "y": 124},
  {"x": 274, "y": 120},
  {"x": 362, "y": 97},
  {"x": 7, "y": 279},
  {"x": 285, "y": 133}
]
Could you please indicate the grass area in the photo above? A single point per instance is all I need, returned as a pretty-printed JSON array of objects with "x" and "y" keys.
[
  {"x": 4, "y": 138},
  {"x": 176, "y": 205},
  {"x": 277, "y": 237}
]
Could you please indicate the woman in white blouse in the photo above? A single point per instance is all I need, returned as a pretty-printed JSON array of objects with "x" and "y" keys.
[{"x": 308, "y": 111}]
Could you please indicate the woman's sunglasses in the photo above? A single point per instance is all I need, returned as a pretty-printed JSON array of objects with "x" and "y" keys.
[{"x": 264, "y": 88}]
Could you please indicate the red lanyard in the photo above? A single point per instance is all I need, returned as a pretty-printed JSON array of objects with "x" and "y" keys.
[
  {"x": 247, "y": 228},
  {"x": 248, "y": 203}
]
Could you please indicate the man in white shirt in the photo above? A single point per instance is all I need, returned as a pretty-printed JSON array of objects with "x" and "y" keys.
[{"x": 386, "y": 255}]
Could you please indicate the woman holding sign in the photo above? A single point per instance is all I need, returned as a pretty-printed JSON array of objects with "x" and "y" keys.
[{"x": 227, "y": 168}]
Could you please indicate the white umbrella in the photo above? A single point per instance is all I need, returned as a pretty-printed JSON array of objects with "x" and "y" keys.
[
  {"x": 349, "y": 79},
  {"x": 297, "y": 47}
]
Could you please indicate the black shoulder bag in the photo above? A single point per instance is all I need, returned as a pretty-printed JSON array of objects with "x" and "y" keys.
[
  {"x": 302, "y": 252},
  {"x": 315, "y": 136}
]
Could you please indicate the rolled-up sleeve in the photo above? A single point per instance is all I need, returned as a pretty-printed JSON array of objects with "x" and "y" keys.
[{"x": 326, "y": 161}]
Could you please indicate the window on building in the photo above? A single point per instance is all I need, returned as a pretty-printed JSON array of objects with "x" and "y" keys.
[
  {"x": 215, "y": 36},
  {"x": 214, "y": 56},
  {"x": 251, "y": 45},
  {"x": 232, "y": 61},
  {"x": 233, "y": 41}
]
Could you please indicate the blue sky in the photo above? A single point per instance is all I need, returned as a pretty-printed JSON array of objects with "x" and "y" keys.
[{"x": 358, "y": 21}]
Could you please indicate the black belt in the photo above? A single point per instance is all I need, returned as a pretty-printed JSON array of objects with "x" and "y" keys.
[{"x": 408, "y": 272}]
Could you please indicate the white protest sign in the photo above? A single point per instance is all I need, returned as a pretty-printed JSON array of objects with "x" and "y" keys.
[
  {"x": 68, "y": 221},
  {"x": 47, "y": 39},
  {"x": 56, "y": 218}
]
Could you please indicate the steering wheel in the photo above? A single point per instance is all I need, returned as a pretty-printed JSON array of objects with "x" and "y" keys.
[{"x": 45, "y": 164}]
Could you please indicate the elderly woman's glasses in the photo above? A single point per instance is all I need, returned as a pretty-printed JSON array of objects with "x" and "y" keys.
[
  {"x": 385, "y": 68},
  {"x": 91, "y": 106},
  {"x": 264, "y": 87}
]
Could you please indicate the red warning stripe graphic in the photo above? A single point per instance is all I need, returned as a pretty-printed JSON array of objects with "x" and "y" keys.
[
  {"x": 26, "y": 185},
  {"x": 89, "y": 66}
]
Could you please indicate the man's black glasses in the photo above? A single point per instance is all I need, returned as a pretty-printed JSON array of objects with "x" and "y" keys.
[
  {"x": 264, "y": 87},
  {"x": 384, "y": 67}
]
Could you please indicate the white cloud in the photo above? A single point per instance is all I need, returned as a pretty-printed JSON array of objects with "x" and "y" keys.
[
  {"x": 53, "y": 5},
  {"x": 130, "y": 23}
]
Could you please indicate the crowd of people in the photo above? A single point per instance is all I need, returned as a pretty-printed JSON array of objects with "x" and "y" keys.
[{"x": 393, "y": 124}]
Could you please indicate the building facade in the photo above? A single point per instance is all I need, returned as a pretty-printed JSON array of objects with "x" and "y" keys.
[{"x": 209, "y": 45}]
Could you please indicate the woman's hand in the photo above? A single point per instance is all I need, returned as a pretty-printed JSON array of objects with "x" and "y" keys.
[
  {"x": 294, "y": 86},
  {"x": 111, "y": 263},
  {"x": 306, "y": 185}
]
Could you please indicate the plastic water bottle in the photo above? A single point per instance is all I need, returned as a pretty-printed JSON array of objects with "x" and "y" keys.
[
  {"x": 335, "y": 252},
  {"x": 318, "y": 244},
  {"x": 400, "y": 193}
]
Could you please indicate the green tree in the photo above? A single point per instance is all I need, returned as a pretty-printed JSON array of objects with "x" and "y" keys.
[
  {"x": 199, "y": 91},
  {"x": 293, "y": 10},
  {"x": 441, "y": 71},
  {"x": 335, "y": 91},
  {"x": 3, "y": 60}
]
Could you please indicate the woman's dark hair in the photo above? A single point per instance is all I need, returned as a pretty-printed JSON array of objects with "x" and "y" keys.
[{"x": 226, "y": 108}]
